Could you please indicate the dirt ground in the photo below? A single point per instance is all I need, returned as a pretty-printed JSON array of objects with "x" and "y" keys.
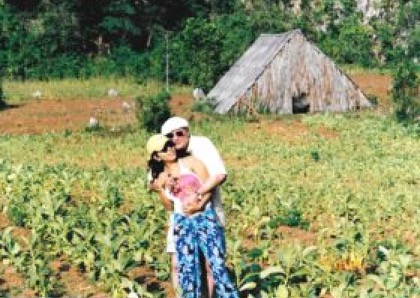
[{"x": 38, "y": 116}]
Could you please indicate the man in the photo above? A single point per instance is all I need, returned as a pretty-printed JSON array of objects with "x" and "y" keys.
[{"x": 177, "y": 129}]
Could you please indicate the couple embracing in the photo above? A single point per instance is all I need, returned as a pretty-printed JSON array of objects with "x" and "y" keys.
[{"x": 186, "y": 172}]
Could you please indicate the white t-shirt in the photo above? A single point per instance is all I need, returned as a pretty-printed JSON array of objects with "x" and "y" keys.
[{"x": 204, "y": 150}]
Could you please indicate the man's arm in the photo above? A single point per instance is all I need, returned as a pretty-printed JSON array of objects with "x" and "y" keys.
[
  {"x": 211, "y": 183},
  {"x": 207, "y": 153},
  {"x": 204, "y": 193}
]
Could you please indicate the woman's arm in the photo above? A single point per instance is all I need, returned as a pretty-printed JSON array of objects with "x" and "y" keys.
[
  {"x": 158, "y": 186},
  {"x": 167, "y": 203}
]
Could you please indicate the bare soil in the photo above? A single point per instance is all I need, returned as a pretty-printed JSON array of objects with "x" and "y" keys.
[
  {"x": 376, "y": 85},
  {"x": 39, "y": 116}
]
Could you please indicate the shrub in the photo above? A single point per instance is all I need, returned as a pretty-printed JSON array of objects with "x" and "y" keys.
[
  {"x": 291, "y": 217},
  {"x": 405, "y": 93},
  {"x": 373, "y": 99},
  {"x": 2, "y": 103},
  {"x": 203, "y": 106},
  {"x": 153, "y": 111}
]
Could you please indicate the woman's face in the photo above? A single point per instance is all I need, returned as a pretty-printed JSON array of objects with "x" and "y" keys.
[{"x": 168, "y": 152}]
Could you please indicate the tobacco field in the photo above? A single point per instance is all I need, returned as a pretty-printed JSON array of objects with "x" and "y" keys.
[{"x": 317, "y": 206}]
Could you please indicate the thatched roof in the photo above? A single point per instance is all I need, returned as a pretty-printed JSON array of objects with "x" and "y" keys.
[{"x": 285, "y": 64}]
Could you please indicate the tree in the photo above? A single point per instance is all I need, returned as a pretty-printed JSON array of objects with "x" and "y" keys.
[{"x": 196, "y": 53}]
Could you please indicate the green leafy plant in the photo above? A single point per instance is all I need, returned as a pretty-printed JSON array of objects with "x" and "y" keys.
[
  {"x": 2, "y": 102},
  {"x": 203, "y": 106},
  {"x": 405, "y": 93},
  {"x": 153, "y": 111}
]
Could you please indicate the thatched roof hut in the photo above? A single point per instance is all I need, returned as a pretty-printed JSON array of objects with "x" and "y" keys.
[{"x": 285, "y": 73}]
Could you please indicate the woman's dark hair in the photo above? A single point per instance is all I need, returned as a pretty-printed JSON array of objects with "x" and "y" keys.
[{"x": 155, "y": 166}]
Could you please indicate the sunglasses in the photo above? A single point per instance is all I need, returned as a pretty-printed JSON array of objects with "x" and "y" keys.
[
  {"x": 167, "y": 146},
  {"x": 178, "y": 133}
]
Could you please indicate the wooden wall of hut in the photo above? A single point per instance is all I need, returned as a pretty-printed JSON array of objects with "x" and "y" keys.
[{"x": 301, "y": 79}]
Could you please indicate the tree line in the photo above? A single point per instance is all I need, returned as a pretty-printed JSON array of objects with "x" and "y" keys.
[{"x": 49, "y": 39}]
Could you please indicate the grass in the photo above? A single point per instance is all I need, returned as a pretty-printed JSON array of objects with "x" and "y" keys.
[
  {"x": 356, "y": 69},
  {"x": 16, "y": 91}
]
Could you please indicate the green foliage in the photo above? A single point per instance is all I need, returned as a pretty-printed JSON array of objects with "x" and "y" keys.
[
  {"x": 2, "y": 102},
  {"x": 237, "y": 34},
  {"x": 397, "y": 31},
  {"x": 114, "y": 198},
  {"x": 414, "y": 42},
  {"x": 47, "y": 40},
  {"x": 206, "y": 48},
  {"x": 351, "y": 44},
  {"x": 197, "y": 48},
  {"x": 405, "y": 93},
  {"x": 152, "y": 111},
  {"x": 291, "y": 217},
  {"x": 373, "y": 99},
  {"x": 97, "y": 238},
  {"x": 391, "y": 52},
  {"x": 94, "y": 128},
  {"x": 203, "y": 106},
  {"x": 17, "y": 215}
]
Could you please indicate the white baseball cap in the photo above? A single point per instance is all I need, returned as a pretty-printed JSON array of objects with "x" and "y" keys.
[{"x": 172, "y": 124}]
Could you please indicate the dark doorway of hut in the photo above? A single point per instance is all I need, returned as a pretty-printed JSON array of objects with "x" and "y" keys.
[{"x": 300, "y": 104}]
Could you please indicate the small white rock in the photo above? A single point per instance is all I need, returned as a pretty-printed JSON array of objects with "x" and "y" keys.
[
  {"x": 93, "y": 122},
  {"x": 198, "y": 94},
  {"x": 37, "y": 94},
  {"x": 126, "y": 106},
  {"x": 112, "y": 92}
]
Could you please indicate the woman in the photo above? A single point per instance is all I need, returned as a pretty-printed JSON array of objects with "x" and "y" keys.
[{"x": 178, "y": 179}]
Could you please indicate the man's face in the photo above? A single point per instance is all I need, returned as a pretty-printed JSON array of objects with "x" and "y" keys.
[{"x": 180, "y": 138}]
